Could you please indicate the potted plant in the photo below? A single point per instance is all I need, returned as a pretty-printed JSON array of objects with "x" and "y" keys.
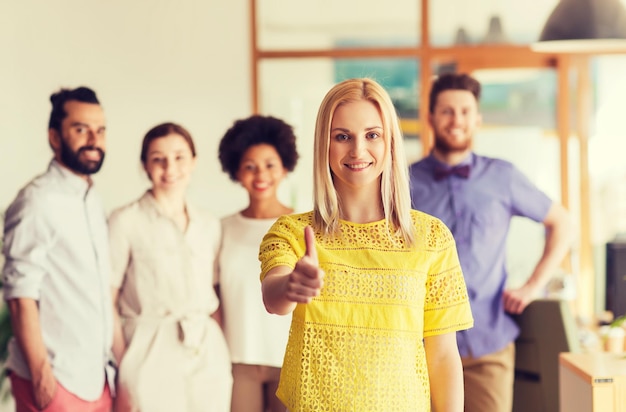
[
  {"x": 613, "y": 335},
  {"x": 5, "y": 332}
]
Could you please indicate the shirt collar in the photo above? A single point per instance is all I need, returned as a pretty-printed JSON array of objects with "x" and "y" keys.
[
  {"x": 150, "y": 205},
  {"x": 432, "y": 161},
  {"x": 76, "y": 183}
]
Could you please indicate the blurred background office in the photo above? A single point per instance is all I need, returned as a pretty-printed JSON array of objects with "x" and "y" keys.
[{"x": 555, "y": 109}]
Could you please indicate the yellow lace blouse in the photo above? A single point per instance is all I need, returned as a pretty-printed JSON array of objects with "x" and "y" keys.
[{"x": 359, "y": 345}]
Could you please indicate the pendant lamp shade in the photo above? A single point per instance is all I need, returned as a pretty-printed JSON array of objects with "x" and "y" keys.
[{"x": 584, "y": 26}]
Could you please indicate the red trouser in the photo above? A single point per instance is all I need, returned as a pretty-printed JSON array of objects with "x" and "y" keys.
[{"x": 62, "y": 401}]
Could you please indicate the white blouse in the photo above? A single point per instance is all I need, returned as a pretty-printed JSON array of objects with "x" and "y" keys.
[
  {"x": 254, "y": 336},
  {"x": 159, "y": 269},
  {"x": 177, "y": 357}
]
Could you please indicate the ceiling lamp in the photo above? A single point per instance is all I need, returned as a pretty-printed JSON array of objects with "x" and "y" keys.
[{"x": 584, "y": 26}]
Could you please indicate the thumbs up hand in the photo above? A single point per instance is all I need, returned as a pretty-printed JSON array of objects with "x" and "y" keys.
[{"x": 306, "y": 280}]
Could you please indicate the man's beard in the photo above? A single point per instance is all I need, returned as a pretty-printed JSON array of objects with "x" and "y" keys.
[
  {"x": 72, "y": 160},
  {"x": 443, "y": 146}
]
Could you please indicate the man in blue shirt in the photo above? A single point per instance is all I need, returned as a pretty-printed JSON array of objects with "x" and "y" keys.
[{"x": 476, "y": 197}]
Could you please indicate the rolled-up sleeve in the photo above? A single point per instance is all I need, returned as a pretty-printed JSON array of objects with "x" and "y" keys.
[
  {"x": 527, "y": 200},
  {"x": 25, "y": 247}
]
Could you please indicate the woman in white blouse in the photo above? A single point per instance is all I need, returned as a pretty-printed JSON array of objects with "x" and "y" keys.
[
  {"x": 164, "y": 257},
  {"x": 256, "y": 152}
]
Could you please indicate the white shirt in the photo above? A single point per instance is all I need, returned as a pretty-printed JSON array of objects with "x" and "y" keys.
[
  {"x": 254, "y": 336},
  {"x": 56, "y": 252}
]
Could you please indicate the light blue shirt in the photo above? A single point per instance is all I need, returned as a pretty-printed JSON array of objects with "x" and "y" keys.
[
  {"x": 56, "y": 252},
  {"x": 478, "y": 210}
]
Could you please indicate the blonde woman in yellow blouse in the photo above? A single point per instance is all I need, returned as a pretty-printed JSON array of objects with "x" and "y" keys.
[{"x": 375, "y": 288}]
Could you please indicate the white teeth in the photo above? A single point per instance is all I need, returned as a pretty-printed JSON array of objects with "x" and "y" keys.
[{"x": 357, "y": 166}]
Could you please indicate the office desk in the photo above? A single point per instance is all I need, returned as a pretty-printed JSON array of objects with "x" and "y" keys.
[{"x": 592, "y": 382}]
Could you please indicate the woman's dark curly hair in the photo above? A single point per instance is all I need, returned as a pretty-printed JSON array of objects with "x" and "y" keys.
[{"x": 256, "y": 130}]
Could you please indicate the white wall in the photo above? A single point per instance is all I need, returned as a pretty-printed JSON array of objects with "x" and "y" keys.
[{"x": 149, "y": 61}]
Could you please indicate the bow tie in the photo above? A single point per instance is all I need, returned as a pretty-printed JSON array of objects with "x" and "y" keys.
[{"x": 460, "y": 171}]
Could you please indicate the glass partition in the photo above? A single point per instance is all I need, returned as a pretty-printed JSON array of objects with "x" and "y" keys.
[
  {"x": 519, "y": 106},
  {"x": 296, "y": 99},
  {"x": 327, "y": 24},
  {"x": 487, "y": 22},
  {"x": 607, "y": 168}
]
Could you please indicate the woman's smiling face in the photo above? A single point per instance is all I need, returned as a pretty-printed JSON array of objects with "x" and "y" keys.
[{"x": 357, "y": 145}]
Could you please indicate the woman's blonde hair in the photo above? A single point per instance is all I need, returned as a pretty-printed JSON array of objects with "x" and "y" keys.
[{"x": 395, "y": 179}]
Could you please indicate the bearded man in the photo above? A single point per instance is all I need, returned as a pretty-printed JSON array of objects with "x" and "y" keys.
[
  {"x": 476, "y": 197},
  {"x": 56, "y": 272}
]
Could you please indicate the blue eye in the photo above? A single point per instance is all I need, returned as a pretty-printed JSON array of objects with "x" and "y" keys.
[{"x": 342, "y": 137}]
